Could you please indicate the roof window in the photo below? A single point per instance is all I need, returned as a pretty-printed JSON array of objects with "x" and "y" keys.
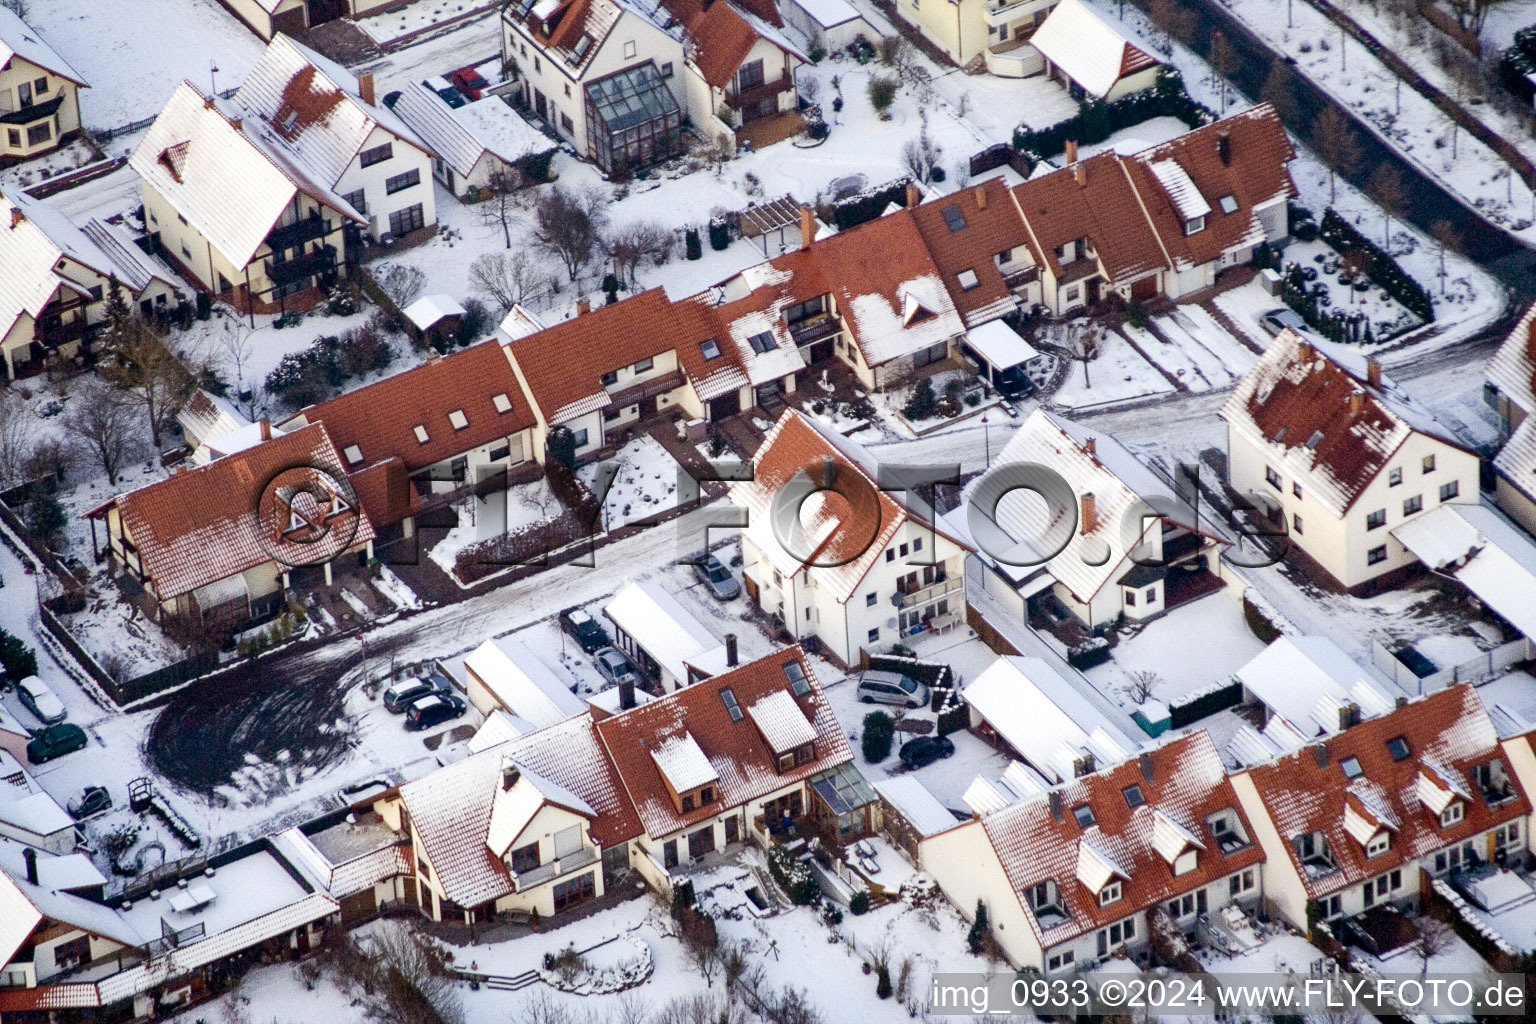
[
  {"x": 967, "y": 279},
  {"x": 353, "y": 453},
  {"x": 1133, "y": 795},
  {"x": 1228, "y": 204},
  {"x": 501, "y": 402},
  {"x": 458, "y": 419},
  {"x": 732, "y": 708},
  {"x": 799, "y": 685},
  {"x": 762, "y": 342},
  {"x": 710, "y": 347},
  {"x": 1351, "y": 766},
  {"x": 1084, "y": 815},
  {"x": 954, "y": 218},
  {"x": 1397, "y": 746},
  {"x": 421, "y": 434}
]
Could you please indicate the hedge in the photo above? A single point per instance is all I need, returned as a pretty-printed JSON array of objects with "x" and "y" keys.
[
  {"x": 1335, "y": 324},
  {"x": 1380, "y": 267},
  {"x": 869, "y": 204},
  {"x": 1096, "y": 121},
  {"x": 793, "y": 876},
  {"x": 16, "y": 657},
  {"x": 1207, "y": 702},
  {"x": 1518, "y": 61}
]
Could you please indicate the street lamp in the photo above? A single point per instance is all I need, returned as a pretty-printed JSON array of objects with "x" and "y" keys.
[{"x": 986, "y": 433}]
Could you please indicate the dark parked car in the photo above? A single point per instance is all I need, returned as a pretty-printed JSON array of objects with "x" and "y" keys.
[
  {"x": 445, "y": 89},
  {"x": 717, "y": 578},
  {"x": 585, "y": 630},
  {"x": 434, "y": 709},
  {"x": 56, "y": 741},
  {"x": 468, "y": 81},
  {"x": 408, "y": 691},
  {"x": 925, "y": 750},
  {"x": 1276, "y": 320},
  {"x": 93, "y": 801}
]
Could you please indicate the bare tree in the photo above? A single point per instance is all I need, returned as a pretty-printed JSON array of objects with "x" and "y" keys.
[
  {"x": 1472, "y": 14},
  {"x": 921, "y": 155},
  {"x": 569, "y": 225},
  {"x": 102, "y": 425},
  {"x": 501, "y": 200},
  {"x": 1279, "y": 90},
  {"x": 1446, "y": 237},
  {"x": 403, "y": 284},
  {"x": 1143, "y": 683},
  {"x": 16, "y": 430},
  {"x": 16, "y": 7},
  {"x": 509, "y": 278},
  {"x": 143, "y": 366},
  {"x": 239, "y": 345},
  {"x": 1084, "y": 343},
  {"x": 633, "y": 243},
  {"x": 1224, "y": 64},
  {"x": 1386, "y": 187},
  {"x": 1431, "y": 937},
  {"x": 1176, "y": 20},
  {"x": 1334, "y": 138}
]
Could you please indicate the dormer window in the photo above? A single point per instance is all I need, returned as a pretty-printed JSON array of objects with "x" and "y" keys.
[
  {"x": 1312, "y": 850},
  {"x": 1111, "y": 893},
  {"x": 1452, "y": 814},
  {"x": 1380, "y": 843},
  {"x": 800, "y": 755},
  {"x": 1194, "y": 225},
  {"x": 1227, "y": 831},
  {"x": 1045, "y": 900}
]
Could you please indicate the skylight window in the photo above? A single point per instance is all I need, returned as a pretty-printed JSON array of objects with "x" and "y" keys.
[
  {"x": 732, "y": 708},
  {"x": 582, "y": 46},
  {"x": 1351, "y": 766},
  {"x": 954, "y": 218},
  {"x": 458, "y": 419},
  {"x": 1084, "y": 815},
  {"x": 1397, "y": 746},
  {"x": 421, "y": 434},
  {"x": 762, "y": 342},
  {"x": 1317, "y": 435},
  {"x": 967, "y": 279},
  {"x": 353, "y": 453},
  {"x": 501, "y": 402},
  {"x": 798, "y": 684},
  {"x": 290, "y": 119},
  {"x": 1280, "y": 435},
  {"x": 710, "y": 348},
  {"x": 1133, "y": 795},
  {"x": 1228, "y": 204}
]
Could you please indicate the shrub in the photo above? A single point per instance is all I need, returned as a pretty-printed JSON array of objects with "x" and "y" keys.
[
  {"x": 879, "y": 731},
  {"x": 45, "y": 517},
  {"x": 953, "y": 719},
  {"x": 16, "y": 657},
  {"x": 882, "y": 93},
  {"x": 921, "y": 401},
  {"x": 1136, "y": 314},
  {"x": 976, "y": 938},
  {"x": 204, "y": 305},
  {"x": 562, "y": 446},
  {"x": 719, "y": 233},
  {"x": 859, "y": 904},
  {"x": 869, "y": 204},
  {"x": 792, "y": 875},
  {"x": 475, "y": 322},
  {"x": 817, "y": 52},
  {"x": 692, "y": 249},
  {"x": 883, "y": 987},
  {"x": 817, "y": 130},
  {"x": 361, "y": 351}
]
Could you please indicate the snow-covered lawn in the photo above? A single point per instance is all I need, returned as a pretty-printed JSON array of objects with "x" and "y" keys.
[
  {"x": 1385, "y": 314},
  {"x": 646, "y": 484},
  {"x": 1505, "y": 18},
  {"x": 414, "y": 17},
  {"x": 1118, "y": 374},
  {"x": 134, "y": 63}
]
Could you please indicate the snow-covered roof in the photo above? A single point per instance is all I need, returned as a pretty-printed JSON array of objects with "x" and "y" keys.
[
  {"x": 1000, "y": 345},
  {"x": 828, "y": 13},
  {"x": 1043, "y": 717},
  {"x": 666, "y": 630},
  {"x": 1018, "y": 782},
  {"x": 499, "y": 727},
  {"x": 523, "y": 683},
  {"x": 1086, "y": 49},
  {"x": 917, "y": 804},
  {"x": 1293, "y": 675},
  {"x": 23, "y": 905},
  {"x": 1513, "y": 367},
  {"x": 24, "y": 804},
  {"x": 518, "y": 323},
  {"x": 1516, "y": 461},
  {"x": 683, "y": 763},
  {"x": 135, "y": 268},
  {"x": 782, "y": 723},
  {"x": 18, "y": 39},
  {"x": 1487, "y": 553},
  {"x": 429, "y": 309},
  {"x": 205, "y": 416},
  {"x": 1181, "y": 189},
  {"x": 520, "y": 794},
  {"x": 461, "y": 136}
]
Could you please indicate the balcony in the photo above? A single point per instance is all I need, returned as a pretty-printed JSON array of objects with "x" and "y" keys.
[
  {"x": 305, "y": 229},
  {"x": 35, "y": 112},
  {"x": 750, "y": 97},
  {"x": 52, "y": 335},
  {"x": 648, "y": 388},
  {"x": 525, "y": 880},
  {"x": 1001, "y": 12},
  {"x": 932, "y": 592},
  {"x": 1016, "y": 278},
  {"x": 311, "y": 263},
  {"x": 814, "y": 329}
]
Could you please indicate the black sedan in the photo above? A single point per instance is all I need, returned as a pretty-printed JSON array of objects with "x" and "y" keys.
[
  {"x": 925, "y": 750},
  {"x": 434, "y": 710}
]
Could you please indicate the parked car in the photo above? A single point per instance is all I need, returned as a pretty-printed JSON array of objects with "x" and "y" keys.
[
  {"x": 585, "y": 630},
  {"x": 56, "y": 741},
  {"x": 880, "y": 687},
  {"x": 717, "y": 579},
  {"x": 468, "y": 81},
  {"x": 445, "y": 89},
  {"x": 434, "y": 709},
  {"x": 925, "y": 750},
  {"x": 614, "y": 667},
  {"x": 408, "y": 691},
  {"x": 41, "y": 701},
  {"x": 93, "y": 801},
  {"x": 1276, "y": 320}
]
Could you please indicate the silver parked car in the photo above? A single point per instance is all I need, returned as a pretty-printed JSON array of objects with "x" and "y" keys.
[
  {"x": 880, "y": 687},
  {"x": 717, "y": 579},
  {"x": 1276, "y": 320},
  {"x": 614, "y": 667},
  {"x": 41, "y": 701}
]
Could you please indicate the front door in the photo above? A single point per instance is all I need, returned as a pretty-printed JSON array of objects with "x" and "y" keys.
[
  {"x": 647, "y": 408},
  {"x": 539, "y": 105}
]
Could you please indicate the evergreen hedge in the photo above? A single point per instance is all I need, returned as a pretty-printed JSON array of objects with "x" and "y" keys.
[
  {"x": 1381, "y": 268},
  {"x": 1096, "y": 121}
]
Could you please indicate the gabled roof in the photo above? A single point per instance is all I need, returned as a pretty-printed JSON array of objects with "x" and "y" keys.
[
  {"x": 742, "y": 761},
  {"x": 1093, "y": 199},
  {"x": 34, "y": 237},
  {"x": 1088, "y": 51},
  {"x": 520, "y": 794},
  {"x": 991, "y": 225},
  {"x": 198, "y": 151},
  {"x": 462, "y": 136},
  {"x": 1182, "y": 783},
  {"x": 1516, "y": 461},
  {"x": 1308, "y": 791},
  {"x": 18, "y": 39},
  {"x": 665, "y": 629},
  {"x": 134, "y": 267},
  {"x": 1513, "y": 367},
  {"x": 380, "y": 420},
  {"x": 206, "y": 524},
  {"x": 1296, "y": 675},
  {"x": 316, "y": 107},
  {"x": 572, "y": 20},
  {"x": 522, "y": 683},
  {"x": 1295, "y": 407},
  {"x": 23, "y": 905},
  {"x": 722, "y": 34}
]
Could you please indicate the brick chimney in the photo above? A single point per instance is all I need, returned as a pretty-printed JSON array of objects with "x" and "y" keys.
[
  {"x": 807, "y": 227},
  {"x": 1356, "y": 402},
  {"x": 1089, "y": 513},
  {"x": 266, "y": 430},
  {"x": 207, "y": 102},
  {"x": 1372, "y": 372},
  {"x": 583, "y": 306},
  {"x": 16, "y": 217},
  {"x": 1080, "y": 175},
  {"x": 1091, "y": 446},
  {"x": 1145, "y": 762},
  {"x": 237, "y": 123},
  {"x": 30, "y": 856},
  {"x": 730, "y": 650},
  {"x": 509, "y": 775},
  {"x": 1071, "y": 151},
  {"x": 1320, "y": 754},
  {"x": 1224, "y": 146},
  {"x": 913, "y": 195},
  {"x": 1305, "y": 353},
  {"x": 626, "y": 693},
  {"x": 1055, "y": 802},
  {"x": 981, "y": 197},
  {"x": 365, "y": 86}
]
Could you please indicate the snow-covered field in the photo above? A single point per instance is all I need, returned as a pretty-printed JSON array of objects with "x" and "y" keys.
[{"x": 1118, "y": 374}]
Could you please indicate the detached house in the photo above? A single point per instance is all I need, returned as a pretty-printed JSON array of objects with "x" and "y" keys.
[
  {"x": 57, "y": 277},
  {"x": 1511, "y": 390},
  {"x": 481, "y": 145},
  {"x": 1072, "y": 876},
  {"x": 1338, "y": 455},
  {"x": 828, "y": 554},
  {"x": 1348, "y": 823},
  {"x": 39, "y": 92},
  {"x": 967, "y": 29},
  {"x": 1090, "y": 58}
]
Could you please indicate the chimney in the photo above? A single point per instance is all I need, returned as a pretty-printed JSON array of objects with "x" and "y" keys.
[
  {"x": 1348, "y": 716},
  {"x": 1089, "y": 514},
  {"x": 1080, "y": 173},
  {"x": 730, "y": 650},
  {"x": 1091, "y": 446},
  {"x": 981, "y": 197},
  {"x": 1071, "y": 151},
  {"x": 626, "y": 693},
  {"x": 365, "y": 86},
  {"x": 1402, "y": 702},
  {"x": 30, "y": 856},
  {"x": 1083, "y": 765},
  {"x": 1372, "y": 372},
  {"x": 1055, "y": 800},
  {"x": 913, "y": 195},
  {"x": 1320, "y": 754},
  {"x": 236, "y": 123},
  {"x": 16, "y": 217},
  {"x": 509, "y": 775},
  {"x": 266, "y": 430},
  {"x": 1146, "y": 766},
  {"x": 1224, "y": 146},
  {"x": 1305, "y": 353},
  {"x": 583, "y": 306},
  {"x": 207, "y": 102},
  {"x": 1356, "y": 402},
  {"x": 807, "y": 227}
]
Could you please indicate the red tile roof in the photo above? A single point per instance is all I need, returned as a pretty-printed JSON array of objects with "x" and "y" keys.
[
  {"x": 385, "y": 492},
  {"x": 745, "y": 765},
  {"x": 1103, "y": 208},
  {"x": 1447, "y": 732},
  {"x": 992, "y": 226},
  {"x": 1186, "y": 781},
  {"x": 381, "y": 419},
  {"x": 721, "y": 38}
]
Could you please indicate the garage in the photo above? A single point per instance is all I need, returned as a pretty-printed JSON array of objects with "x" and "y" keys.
[
  {"x": 1144, "y": 289},
  {"x": 725, "y": 406}
]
